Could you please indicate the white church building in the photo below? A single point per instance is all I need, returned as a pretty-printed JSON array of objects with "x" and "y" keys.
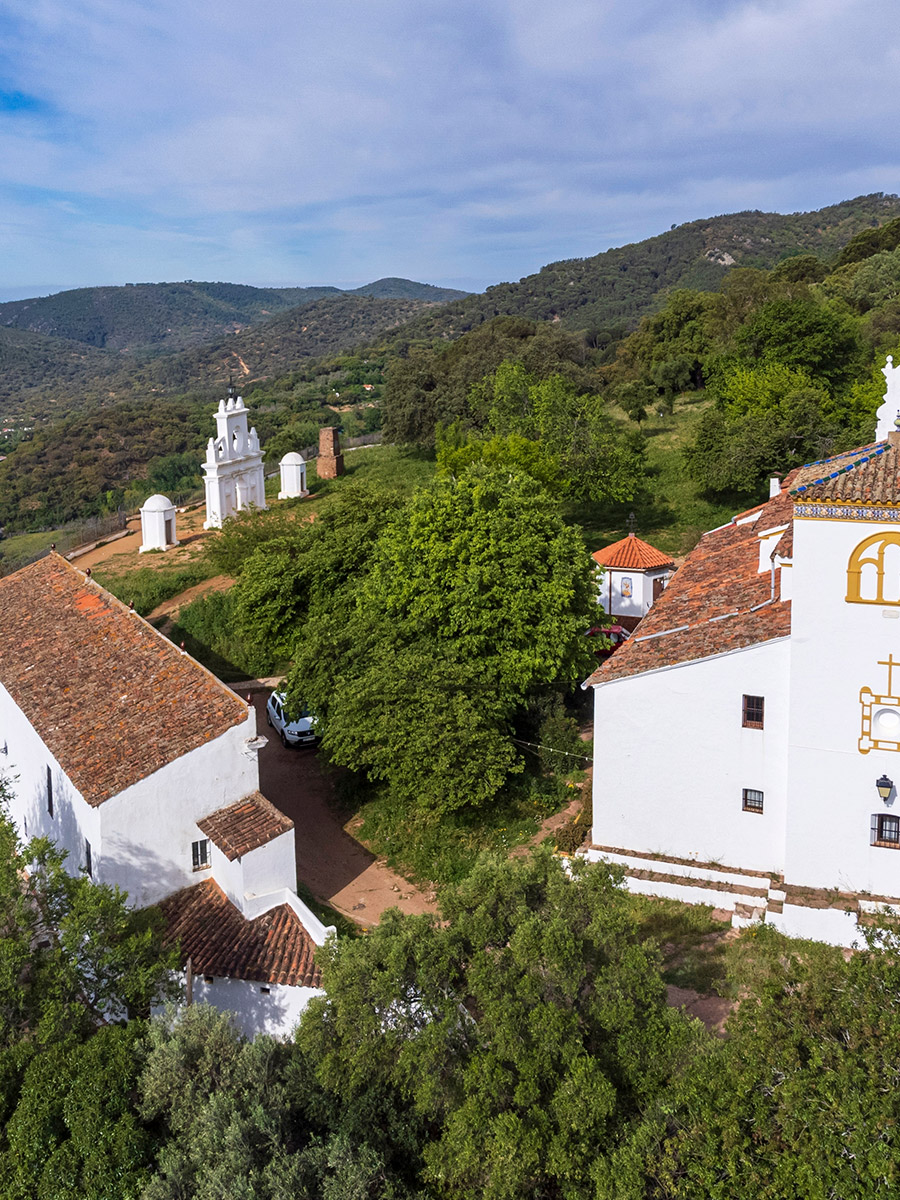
[
  {"x": 748, "y": 734},
  {"x": 139, "y": 763},
  {"x": 234, "y": 478}
]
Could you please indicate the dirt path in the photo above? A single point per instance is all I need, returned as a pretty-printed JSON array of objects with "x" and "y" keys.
[
  {"x": 330, "y": 862},
  {"x": 218, "y": 583},
  {"x": 124, "y": 554}
]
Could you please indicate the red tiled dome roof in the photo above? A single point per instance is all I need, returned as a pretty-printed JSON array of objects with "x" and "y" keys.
[{"x": 631, "y": 554}]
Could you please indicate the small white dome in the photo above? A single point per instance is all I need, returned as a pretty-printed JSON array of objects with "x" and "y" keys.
[
  {"x": 157, "y": 503},
  {"x": 293, "y": 460}
]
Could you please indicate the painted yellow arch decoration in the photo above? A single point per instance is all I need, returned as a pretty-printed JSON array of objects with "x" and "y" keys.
[{"x": 870, "y": 552}]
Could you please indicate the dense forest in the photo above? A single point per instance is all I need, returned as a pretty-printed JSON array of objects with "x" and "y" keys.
[{"x": 514, "y": 1045}]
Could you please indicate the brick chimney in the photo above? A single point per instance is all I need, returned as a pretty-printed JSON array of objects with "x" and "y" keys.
[{"x": 330, "y": 462}]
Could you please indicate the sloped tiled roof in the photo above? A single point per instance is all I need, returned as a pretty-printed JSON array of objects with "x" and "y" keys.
[
  {"x": 110, "y": 697},
  {"x": 631, "y": 554},
  {"x": 869, "y": 475},
  {"x": 219, "y": 940},
  {"x": 245, "y": 826},
  {"x": 718, "y": 601}
]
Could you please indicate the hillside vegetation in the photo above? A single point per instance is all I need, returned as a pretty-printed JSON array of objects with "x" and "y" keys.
[
  {"x": 808, "y": 332},
  {"x": 607, "y": 293},
  {"x": 149, "y": 317}
]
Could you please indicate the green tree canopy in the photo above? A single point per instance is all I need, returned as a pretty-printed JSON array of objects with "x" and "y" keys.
[
  {"x": 476, "y": 595},
  {"x": 524, "y": 1027}
]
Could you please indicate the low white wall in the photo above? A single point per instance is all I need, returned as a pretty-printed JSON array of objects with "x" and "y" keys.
[
  {"x": 830, "y": 925},
  {"x": 254, "y": 905},
  {"x": 275, "y": 1011}
]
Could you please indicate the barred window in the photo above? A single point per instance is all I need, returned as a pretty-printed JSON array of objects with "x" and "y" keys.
[
  {"x": 753, "y": 800},
  {"x": 885, "y": 830},
  {"x": 754, "y": 708}
]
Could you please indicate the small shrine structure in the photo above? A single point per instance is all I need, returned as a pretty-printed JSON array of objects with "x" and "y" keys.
[
  {"x": 233, "y": 471},
  {"x": 330, "y": 462},
  {"x": 293, "y": 477},
  {"x": 158, "y": 524},
  {"x": 634, "y": 575}
]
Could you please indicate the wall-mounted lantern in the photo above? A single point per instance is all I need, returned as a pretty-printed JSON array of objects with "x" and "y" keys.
[{"x": 884, "y": 786}]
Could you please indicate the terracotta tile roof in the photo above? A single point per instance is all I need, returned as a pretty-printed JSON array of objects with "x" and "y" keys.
[
  {"x": 631, "y": 554},
  {"x": 718, "y": 601},
  {"x": 110, "y": 697},
  {"x": 869, "y": 475},
  {"x": 272, "y": 948},
  {"x": 245, "y": 826}
]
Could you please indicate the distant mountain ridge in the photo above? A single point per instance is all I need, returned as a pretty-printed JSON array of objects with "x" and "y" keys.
[
  {"x": 105, "y": 345},
  {"x": 614, "y": 289},
  {"x": 147, "y": 318}
]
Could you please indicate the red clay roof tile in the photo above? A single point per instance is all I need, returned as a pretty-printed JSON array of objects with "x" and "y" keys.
[
  {"x": 219, "y": 940},
  {"x": 718, "y": 601},
  {"x": 631, "y": 554},
  {"x": 245, "y": 826},
  {"x": 110, "y": 697}
]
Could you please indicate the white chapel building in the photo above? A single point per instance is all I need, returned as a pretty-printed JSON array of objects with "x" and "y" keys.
[
  {"x": 750, "y": 749},
  {"x": 140, "y": 764},
  {"x": 233, "y": 471}
]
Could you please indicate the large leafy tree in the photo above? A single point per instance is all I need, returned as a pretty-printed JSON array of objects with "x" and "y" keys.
[
  {"x": 572, "y": 428},
  {"x": 524, "y": 1028},
  {"x": 477, "y": 596}
]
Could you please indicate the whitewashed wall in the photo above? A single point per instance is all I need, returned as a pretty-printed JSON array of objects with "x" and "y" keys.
[
  {"x": 267, "y": 869},
  {"x": 671, "y": 759},
  {"x": 25, "y": 763},
  {"x": 148, "y": 828},
  {"x": 836, "y": 650},
  {"x": 638, "y": 604},
  {"x": 275, "y": 1012}
]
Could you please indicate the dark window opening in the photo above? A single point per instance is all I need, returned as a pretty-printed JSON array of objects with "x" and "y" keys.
[
  {"x": 753, "y": 800},
  {"x": 49, "y": 791},
  {"x": 754, "y": 708},
  {"x": 200, "y": 854},
  {"x": 88, "y": 862},
  {"x": 885, "y": 830}
]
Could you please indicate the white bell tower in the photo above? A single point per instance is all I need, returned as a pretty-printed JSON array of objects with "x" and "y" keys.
[{"x": 233, "y": 471}]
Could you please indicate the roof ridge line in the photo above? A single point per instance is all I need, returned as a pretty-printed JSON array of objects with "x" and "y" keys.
[{"x": 857, "y": 462}]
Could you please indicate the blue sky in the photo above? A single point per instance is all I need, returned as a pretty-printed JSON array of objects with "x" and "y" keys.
[{"x": 466, "y": 143}]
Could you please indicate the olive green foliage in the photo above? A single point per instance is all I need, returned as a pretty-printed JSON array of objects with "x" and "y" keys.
[
  {"x": 247, "y": 1120},
  {"x": 432, "y": 387},
  {"x": 74, "y": 1131},
  {"x": 524, "y": 1028},
  {"x": 476, "y": 595},
  {"x": 869, "y": 242},
  {"x": 74, "y": 958},
  {"x": 800, "y": 1099},
  {"x": 73, "y": 954},
  {"x": 572, "y": 428}
]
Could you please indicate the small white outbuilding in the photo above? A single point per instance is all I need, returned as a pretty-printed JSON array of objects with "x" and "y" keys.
[
  {"x": 158, "y": 524},
  {"x": 293, "y": 477}
]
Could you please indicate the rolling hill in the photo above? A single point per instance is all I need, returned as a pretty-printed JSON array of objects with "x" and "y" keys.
[{"x": 146, "y": 318}]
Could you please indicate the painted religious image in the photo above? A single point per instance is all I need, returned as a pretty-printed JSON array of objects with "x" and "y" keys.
[{"x": 880, "y": 719}]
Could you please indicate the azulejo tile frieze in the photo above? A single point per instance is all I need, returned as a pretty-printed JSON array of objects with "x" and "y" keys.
[{"x": 847, "y": 512}]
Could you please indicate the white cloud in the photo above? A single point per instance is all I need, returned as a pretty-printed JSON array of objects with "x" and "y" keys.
[{"x": 310, "y": 140}]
